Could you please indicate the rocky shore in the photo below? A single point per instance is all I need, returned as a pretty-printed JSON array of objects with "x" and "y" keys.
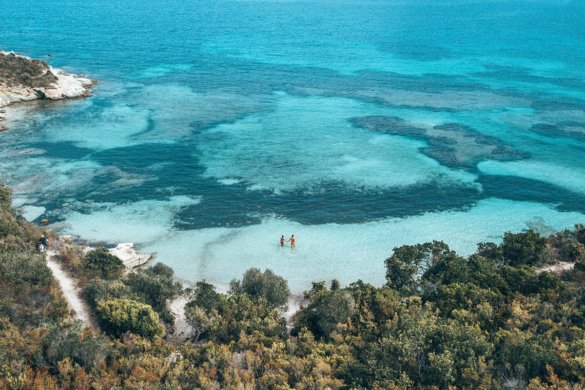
[{"x": 25, "y": 79}]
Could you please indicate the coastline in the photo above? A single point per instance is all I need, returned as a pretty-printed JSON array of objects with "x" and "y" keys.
[
  {"x": 133, "y": 260},
  {"x": 58, "y": 85}
]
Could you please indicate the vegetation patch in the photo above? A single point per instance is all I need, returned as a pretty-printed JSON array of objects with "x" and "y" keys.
[
  {"x": 16, "y": 71},
  {"x": 491, "y": 320}
]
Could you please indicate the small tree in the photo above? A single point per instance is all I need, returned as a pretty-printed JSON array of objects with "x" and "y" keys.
[
  {"x": 205, "y": 296},
  {"x": 118, "y": 316},
  {"x": 265, "y": 285},
  {"x": 409, "y": 262},
  {"x": 154, "y": 285},
  {"x": 101, "y": 263},
  {"x": 523, "y": 248},
  {"x": 325, "y": 310}
]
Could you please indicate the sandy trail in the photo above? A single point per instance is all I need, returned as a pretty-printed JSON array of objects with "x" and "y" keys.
[
  {"x": 182, "y": 329},
  {"x": 70, "y": 291},
  {"x": 558, "y": 267}
]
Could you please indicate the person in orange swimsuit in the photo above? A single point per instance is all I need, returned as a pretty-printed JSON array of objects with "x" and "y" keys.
[
  {"x": 292, "y": 241},
  {"x": 282, "y": 241}
]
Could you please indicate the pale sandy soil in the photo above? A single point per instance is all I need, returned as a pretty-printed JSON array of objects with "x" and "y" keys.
[
  {"x": 556, "y": 268},
  {"x": 70, "y": 291},
  {"x": 182, "y": 328}
]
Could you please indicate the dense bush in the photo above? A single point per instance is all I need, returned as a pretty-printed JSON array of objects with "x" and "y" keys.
[
  {"x": 205, "y": 296},
  {"x": 97, "y": 290},
  {"x": 262, "y": 285},
  {"x": 225, "y": 318},
  {"x": 118, "y": 316},
  {"x": 155, "y": 286},
  {"x": 71, "y": 342},
  {"x": 28, "y": 293},
  {"x": 408, "y": 263},
  {"x": 101, "y": 263},
  {"x": 20, "y": 71},
  {"x": 325, "y": 310},
  {"x": 491, "y": 321},
  {"x": 523, "y": 248}
]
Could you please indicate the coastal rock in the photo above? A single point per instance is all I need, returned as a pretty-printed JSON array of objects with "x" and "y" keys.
[
  {"x": 25, "y": 79},
  {"x": 129, "y": 256}
]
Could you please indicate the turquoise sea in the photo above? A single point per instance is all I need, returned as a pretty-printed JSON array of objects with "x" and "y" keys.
[{"x": 355, "y": 125}]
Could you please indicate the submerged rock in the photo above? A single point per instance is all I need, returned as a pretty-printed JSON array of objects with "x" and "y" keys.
[
  {"x": 566, "y": 129},
  {"x": 452, "y": 144}
]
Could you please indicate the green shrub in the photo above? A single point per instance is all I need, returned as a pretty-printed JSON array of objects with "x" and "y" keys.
[
  {"x": 119, "y": 316},
  {"x": 101, "y": 263},
  {"x": 523, "y": 248},
  {"x": 265, "y": 285},
  {"x": 69, "y": 341},
  {"x": 5, "y": 197},
  {"x": 155, "y": 286},
  {"x": 325, "y": 310},
  {"x": 6, "y": 228},
  {"x": 205, "y": 296},
  {"x": 580, "y": 266},
  {"x": 98, "y": 290}
]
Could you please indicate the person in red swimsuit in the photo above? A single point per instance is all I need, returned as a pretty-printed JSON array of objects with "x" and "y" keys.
[{"x": 292, "y": 241}]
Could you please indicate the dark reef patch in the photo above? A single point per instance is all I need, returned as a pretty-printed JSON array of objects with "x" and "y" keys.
[
  {"x": 558, "y": 104},
  {"x": 66, "y": 150},
  {"x": 568, "y": 129},
  {"x": 255, "y": 78},
  {"x": 452, "y": 144},
  {"x": 522, "y": 189},
  {"x": 137, "y": 158},
  {"x": 234, "y": 206},
  {"x": 501, "y": 72}
]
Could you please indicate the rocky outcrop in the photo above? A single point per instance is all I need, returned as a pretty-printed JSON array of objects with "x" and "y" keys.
[
  {"x": 129, "y": 256},
  {"x": 24, "y": 79}
]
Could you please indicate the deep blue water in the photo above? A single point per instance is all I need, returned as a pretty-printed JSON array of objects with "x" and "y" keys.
[{"x": 357, "y": 125}]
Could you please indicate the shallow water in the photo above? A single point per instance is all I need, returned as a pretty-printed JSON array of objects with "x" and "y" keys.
[{"x": 356, "y": 126}]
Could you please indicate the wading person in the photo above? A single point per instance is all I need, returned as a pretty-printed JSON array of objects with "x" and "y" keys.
[
  {"x": 282, "y": 241},
  {"x": 292, "y": 241}
]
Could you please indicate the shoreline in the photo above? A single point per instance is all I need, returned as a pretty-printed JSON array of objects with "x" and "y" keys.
[
  {"x": 134, "y": 260},
  {"x": 61, "y": 85}
]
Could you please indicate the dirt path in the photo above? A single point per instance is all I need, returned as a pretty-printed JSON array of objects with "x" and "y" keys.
[
  {"x": 559, "y": 267},
  {"x": 69, "y": 289},
  {"x": 182, "y": 328}
]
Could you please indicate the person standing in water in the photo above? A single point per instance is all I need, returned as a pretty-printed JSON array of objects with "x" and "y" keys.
[
  {"x": 282, "y": 241},
  {"x": 292, "y": 241}
]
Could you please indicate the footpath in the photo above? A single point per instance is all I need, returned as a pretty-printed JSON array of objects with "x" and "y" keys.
[{"x": 70, "y": 291}]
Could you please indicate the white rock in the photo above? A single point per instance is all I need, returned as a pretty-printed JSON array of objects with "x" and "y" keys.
[
  {"x": 67, "y": 86},
  {"x": 129, "y": 256}
]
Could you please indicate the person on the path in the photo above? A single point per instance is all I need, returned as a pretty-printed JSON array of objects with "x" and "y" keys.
[
  {"x": 43, "y": 244},
  {"x": 292, "y": 241},
  {"x": 282, "y": 241}
]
